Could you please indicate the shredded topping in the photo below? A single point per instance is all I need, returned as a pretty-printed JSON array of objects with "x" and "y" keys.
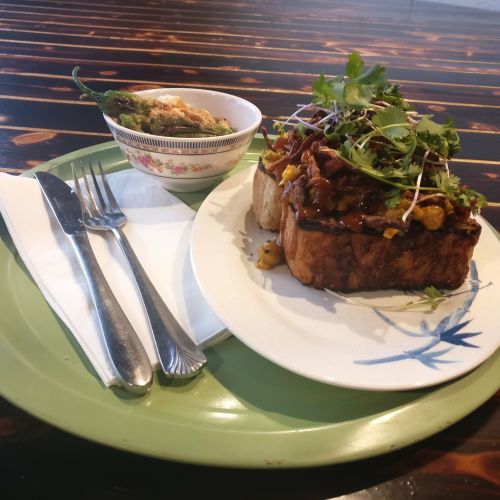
[{"x": 359, "y": 149}]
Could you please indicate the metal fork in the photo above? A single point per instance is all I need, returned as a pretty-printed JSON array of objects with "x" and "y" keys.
[{"x": 179, "y": 356}]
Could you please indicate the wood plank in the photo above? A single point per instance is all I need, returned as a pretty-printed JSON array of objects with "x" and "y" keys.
[
  {"x": 20, "y": 75},
  {"x": 371, "y": 28},
  {"x": 323, "y": 55},
  {"x": 373, "y": 17},
  {"x": 25, "y": 149},
  {"x": 109, "y": 29},
  {"x": 24, "y": 49},
  {"x": 298, "y": 79},
  {"x": 426, "y": 49}
]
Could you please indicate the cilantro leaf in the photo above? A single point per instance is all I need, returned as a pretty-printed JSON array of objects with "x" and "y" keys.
[
  {"x": 392, "y": 95},
  {"x": 473, "y": 199},
  {"x": 327, "y": 91},
  {"x": 363, "y": 157},
  {"x": 429, "y": 126},
  {"x": 322, "y": 91},
  {"x": 413, "y": 170},
  {"x": 451, "y": 187},
  {"x": 338, "y": 86},
  {"x": 442, "y": 139},
  {"x": 451, "y": 136},
  {"x": 393, "y": 122},
  {"x": 356, "y": 95},
  {"x": 393, "y": 198},
  {"x": 407, "y": 146},
  {"x": 434, "y": 296},
  {"x": 375, "y": 77},
  {"x": 407, "y": 174},
  {"x": 346, "y": 127},
  {"x": 447, "y": 184},
  {"x": 355, "y": 65}
]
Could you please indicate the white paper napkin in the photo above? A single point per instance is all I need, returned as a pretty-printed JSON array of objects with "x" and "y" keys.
[{"x": 158, "y": 229}]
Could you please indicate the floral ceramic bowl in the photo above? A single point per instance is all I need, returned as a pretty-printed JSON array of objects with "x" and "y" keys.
[{"x": 190, "y": 164}]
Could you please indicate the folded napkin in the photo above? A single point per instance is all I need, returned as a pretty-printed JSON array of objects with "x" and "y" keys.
[{"x": 158, "y": 229}]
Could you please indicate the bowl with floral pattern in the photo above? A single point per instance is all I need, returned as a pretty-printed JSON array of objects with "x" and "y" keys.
[{"x": 188, "y": 164}]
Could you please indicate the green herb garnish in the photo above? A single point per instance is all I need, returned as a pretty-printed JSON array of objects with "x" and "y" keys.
[
  {"x": 355, "y": 91},
  {"x": 430, "y": 298},
  {"x": 377, "y": 132},
  {"x": 450, "y": 185}
]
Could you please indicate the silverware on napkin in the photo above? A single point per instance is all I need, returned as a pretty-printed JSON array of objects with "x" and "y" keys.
[
  {"x": 179, "y": 356},
  {"x": 127, "y": 354}
]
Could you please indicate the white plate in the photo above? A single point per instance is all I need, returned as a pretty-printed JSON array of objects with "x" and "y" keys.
[{"x": 321, "y": 336}]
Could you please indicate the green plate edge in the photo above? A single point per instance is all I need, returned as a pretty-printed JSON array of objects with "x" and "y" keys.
[{"x": 242, "y": 411}]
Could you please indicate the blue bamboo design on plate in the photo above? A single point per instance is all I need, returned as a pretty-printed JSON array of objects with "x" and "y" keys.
[{"x": 448, "y": 331}]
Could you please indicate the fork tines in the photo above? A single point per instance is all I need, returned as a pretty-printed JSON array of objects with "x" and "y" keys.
[{"x": 105, "y": 202}]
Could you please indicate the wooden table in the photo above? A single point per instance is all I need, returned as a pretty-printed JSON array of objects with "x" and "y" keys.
[{"x": 447, "y": 60}]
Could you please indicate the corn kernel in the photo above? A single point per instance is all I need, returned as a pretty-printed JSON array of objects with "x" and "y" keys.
[
  {"x": 269, "y": 156},
  {"x": 390, "y": 232},
  {"x": 289, "y": 173}
]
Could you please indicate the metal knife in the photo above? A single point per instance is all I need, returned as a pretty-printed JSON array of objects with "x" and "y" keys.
[{"x": 127, "y": 354}]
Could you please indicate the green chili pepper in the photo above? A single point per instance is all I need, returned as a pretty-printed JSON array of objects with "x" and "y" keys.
[
  {"x": 134, "y": 121},
  {"x": 150, "y": 116},
  {"x": 114, "y": 102},
  {"x": 183, "y": 127}
]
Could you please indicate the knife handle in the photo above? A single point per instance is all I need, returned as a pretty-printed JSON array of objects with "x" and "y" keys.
[{"x": 127, "y": 354}]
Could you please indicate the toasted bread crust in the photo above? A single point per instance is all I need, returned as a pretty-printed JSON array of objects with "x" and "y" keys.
[
  {"x": 347, "y": 261},
  {"x": 266, "y": 199}
]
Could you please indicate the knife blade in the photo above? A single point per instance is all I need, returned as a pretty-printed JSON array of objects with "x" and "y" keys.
[{"x": 126, "y": 352}]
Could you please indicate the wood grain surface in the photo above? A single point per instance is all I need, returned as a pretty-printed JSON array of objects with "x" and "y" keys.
[{"x": 447, "y": 61}]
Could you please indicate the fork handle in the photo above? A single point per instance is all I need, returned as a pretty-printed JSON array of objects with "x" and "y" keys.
[
  {"x": 179, "y": 356},
  {"x": 127, "y": 354}
]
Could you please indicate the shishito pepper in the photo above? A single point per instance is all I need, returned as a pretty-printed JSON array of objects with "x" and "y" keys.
[{"x": 150, "y": 116}]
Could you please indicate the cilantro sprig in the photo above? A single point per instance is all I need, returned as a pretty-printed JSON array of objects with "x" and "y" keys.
[
  {"x": 451, "y": 187},
  {"x": 429, "y": 299},
  {"x": 356, "y": 90},
  {"x": 375, "y": 131}
]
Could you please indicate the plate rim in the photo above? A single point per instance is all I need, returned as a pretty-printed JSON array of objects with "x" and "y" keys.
[{"x": 34, "y": 392}]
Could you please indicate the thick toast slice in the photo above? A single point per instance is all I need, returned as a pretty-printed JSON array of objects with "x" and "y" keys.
[{"x": 347, "y": 261}]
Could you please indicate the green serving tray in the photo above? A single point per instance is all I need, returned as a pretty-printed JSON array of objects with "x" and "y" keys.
[{"x": 242, "y": 411}]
